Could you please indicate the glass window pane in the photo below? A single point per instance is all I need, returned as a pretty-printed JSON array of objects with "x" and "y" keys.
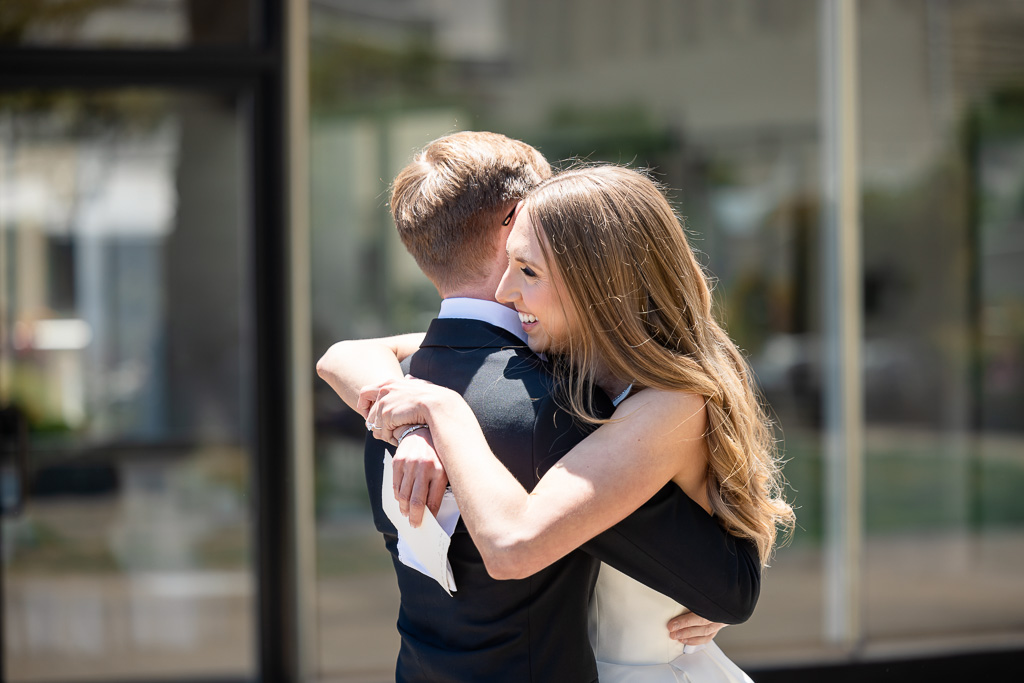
[
  {"x": 124, "y": 349},
  {"x": 720, "y": 99},
  {"x": 943, "y": 182},
  {"x": 125, "y": 23}
]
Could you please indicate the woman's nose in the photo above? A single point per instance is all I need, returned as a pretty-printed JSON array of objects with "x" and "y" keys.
[{"x": 506, "y": 292}]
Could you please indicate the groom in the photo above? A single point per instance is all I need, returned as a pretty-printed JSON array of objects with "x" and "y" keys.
[{"x": 453, "y": 206}]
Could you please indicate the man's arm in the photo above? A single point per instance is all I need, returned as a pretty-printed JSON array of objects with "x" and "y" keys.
[{"x": 674, "y": 547}]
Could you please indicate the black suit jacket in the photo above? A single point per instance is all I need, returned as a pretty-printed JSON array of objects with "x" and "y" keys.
[{"x": 535, "y": 629}]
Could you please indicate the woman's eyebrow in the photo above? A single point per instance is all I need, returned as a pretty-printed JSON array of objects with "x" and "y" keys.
[{"x": 519, "y": 255}]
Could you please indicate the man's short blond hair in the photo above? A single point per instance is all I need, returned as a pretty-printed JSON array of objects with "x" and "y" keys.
[{"x": 449, "y": 201}]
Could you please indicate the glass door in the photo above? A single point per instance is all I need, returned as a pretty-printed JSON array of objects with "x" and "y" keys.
[{"x": 126, "y": 373}]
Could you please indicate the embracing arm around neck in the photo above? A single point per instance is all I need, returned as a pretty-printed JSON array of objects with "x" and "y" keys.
[
  {"x": 350, "y": 365},
  {"x": 654, "y": 437}
]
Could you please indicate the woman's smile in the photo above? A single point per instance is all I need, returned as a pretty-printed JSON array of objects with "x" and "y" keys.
[
  {"x": 535, "y": 289},
  {"x": 528, "y": 320}
]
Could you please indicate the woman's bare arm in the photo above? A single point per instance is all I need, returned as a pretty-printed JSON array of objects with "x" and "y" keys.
[
  {"x": 348, "y": 366},
  {"x": 655, "y": 437}
]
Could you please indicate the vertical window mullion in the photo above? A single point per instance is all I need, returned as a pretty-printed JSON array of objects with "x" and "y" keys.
[{"x": 843, "y": 394}]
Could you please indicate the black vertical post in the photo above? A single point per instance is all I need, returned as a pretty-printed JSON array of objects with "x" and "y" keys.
[
  {"x": 274, "y": 508},
  {"x": 256, "y": 72}
]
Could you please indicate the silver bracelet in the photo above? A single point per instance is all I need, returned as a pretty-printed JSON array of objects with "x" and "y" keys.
[{"x": 409, "y": 431}]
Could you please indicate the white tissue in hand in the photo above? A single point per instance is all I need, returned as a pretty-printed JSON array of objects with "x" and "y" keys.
[{"x": 425, "y": 548}]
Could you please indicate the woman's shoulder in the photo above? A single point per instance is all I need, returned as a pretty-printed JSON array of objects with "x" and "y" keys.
[
  {"x": 675, "y": 410},
  {"x": 639, "y": 395}
]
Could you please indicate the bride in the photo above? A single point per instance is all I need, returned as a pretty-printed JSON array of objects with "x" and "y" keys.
[{"x": 608, "y": 288}]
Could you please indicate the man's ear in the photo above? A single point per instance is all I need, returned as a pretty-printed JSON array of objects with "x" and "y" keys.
[
  {"x": 510, "y": 216},
  {"x": 508, "y": 223},
  {"x": 515, "y": 215}
]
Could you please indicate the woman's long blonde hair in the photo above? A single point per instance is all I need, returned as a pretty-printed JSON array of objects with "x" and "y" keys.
[{"x": 644, "y": 308}]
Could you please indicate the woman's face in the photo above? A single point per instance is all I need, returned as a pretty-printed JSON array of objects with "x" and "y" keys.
[{"x": 535, "y": 289}]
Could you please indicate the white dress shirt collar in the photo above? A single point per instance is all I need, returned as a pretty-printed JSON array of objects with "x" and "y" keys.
[{"x": 485, "y": 311}]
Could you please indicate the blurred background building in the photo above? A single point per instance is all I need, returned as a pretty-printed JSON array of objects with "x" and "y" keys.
[{"x": 193, "y": 208}]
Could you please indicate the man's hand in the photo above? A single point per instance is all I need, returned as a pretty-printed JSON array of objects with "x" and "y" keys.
[
  {"x": 419, "y": 477},
  {"x": 690, "y": 629}
]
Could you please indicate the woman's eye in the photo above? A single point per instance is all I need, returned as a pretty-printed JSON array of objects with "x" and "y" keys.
[{"x": 528, "y": 272}]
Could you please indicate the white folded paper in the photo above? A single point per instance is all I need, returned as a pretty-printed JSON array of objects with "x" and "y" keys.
[{"x": 425, "y": 549}]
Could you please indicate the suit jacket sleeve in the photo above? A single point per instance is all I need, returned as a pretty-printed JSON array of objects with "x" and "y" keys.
[
  {"x": 670, "y": 544},
  {"x": 673, "y": 546}
]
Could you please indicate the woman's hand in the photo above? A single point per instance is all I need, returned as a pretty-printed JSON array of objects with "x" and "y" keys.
[
  {"x": 419, "y": 477},
  {"x": 354, "y": 363},
  {"x": 365, "y": 400},
  {"x": 391, "y": 409},
  {"x": 397, "y": 404}
]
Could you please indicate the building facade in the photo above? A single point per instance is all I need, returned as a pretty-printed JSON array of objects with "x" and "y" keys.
[{"x": 193, "y": 207}]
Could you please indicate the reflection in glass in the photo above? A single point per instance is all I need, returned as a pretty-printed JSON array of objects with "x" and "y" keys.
[
  {"x": 944, "y": 340},
  {"x": 122, "y": 348},
  {"x": 619, "y": 85},
  {"x": 125, "y": 23},
  {"x": 721, "y": 99}
]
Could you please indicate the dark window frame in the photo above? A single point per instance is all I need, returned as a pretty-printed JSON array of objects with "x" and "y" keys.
[{"x": 256, "y": 74}]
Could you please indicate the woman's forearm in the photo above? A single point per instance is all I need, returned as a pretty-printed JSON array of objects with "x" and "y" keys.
[
  {"x": 493, "y": 511},
  {"x": 492, "y": 502},
  {"x": 597, "y": 484},
  {"x": 604, "y": 478},
  {"x": 348, "y": 366}
]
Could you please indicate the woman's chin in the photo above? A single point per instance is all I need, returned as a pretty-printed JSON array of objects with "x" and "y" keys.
[{"x": 536, "y": 345}]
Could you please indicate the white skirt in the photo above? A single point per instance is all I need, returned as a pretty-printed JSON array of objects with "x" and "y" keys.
[
  {"x": 703, "y": 666},
  {"x": 629, "y": 634}
]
